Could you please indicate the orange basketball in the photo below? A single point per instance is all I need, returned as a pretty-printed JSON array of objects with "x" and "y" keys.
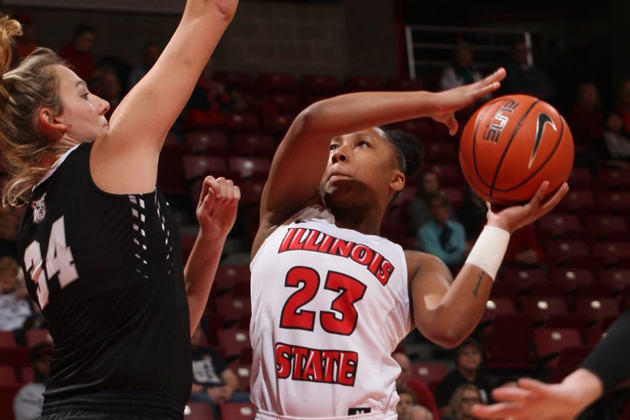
[{"x": 511, "y": 145}]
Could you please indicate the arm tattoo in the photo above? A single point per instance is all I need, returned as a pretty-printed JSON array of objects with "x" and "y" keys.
[{"x": 475, "y": 291}]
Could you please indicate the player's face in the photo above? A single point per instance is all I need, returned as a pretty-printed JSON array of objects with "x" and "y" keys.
[
  {"x": 469, "y": 358},
  {"x": 469, "y": 399},
  {"x": 362, "y": 171},
  {"x": 404, "y": 405},
  {"x": 84, "y": 113}
]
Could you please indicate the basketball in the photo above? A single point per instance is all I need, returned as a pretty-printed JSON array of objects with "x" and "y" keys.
[{"x": 511, "y": 145}]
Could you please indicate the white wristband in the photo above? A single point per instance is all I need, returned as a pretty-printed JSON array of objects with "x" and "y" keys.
[{"x": 489, "y": 250}]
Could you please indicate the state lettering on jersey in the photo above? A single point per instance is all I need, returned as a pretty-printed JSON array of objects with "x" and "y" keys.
[
  {"x": 303, "y": 239},
  {"x": 313, "y": 365}
]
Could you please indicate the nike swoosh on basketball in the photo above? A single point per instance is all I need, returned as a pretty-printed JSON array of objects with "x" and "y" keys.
[{"x": 540, "y": 128}]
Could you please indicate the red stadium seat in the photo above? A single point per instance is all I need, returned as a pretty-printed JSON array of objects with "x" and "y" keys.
[
  {"x": 597, "y": 309},
  {"x": 212, "y": 143},
  {"x": 7, "y": 394},
  {"x": 581, "y": 178},
  {"x": 612, "y": 252},
  {"x": 612, "y": 179},
  {"x": 243, "y": 373},
  {"x": 284, "y": 102},
  {"x": 250, "y": 143},
  {"x": 280, "y": 123},
  {"x": 575, "y": 200},
  {"x": 570, "y": 278},
  {"x": 572, "y": 321},
  {"x": 542, "y": 308},
  {"x": 242, "y": 120},
  {"x": 617, "y": 278},
  {"x": 569, "y": 359},
  {"x": 27, "y": 374},
  {"x": 617, "y": 201},
  {"x": 239, "y": 80},
  {"x": 429, "y": 373},
  {"x": 16, "y": 356},
  {"x": 502, "y": 289},
  {"x": 7, "y": 375},
  {"x": 593, "y": 290},
  {"x": 198, "y": 411},
  {"x": 247, "y": 168},
  {"x": 276, "y": 82},
  {"x": 403, "y": 84},
  {"x": 196, "y": 167},
  {"x": 508, "y": 348},
  {"x": 232, "y": 341},
  {"x": 594, "y": 336},
  {"x": 550, "y": 341},
  {"x": 547, "y": 290},
  {"x": 496, "y": 307},
  {"x": 454, "y": 195},
  {"x": 234, "y": 307},
  {"x": 524, "y": 278},
  {"x": 440, "y": 151},
  {"x": 237, "y": 411},
  {"x": 605, "y": 224},
  {"x": 421, "y": 127},
  {"x": 251, "y": 192},
  {"x": 562, "y": 252},
  {"x": 362, "y": 83},
  {"x": 7, "y": 339},
  {"x": 37, "y": 335},
  {"x": 557, "y": 223},
  {"x": 319, "y": 84}
]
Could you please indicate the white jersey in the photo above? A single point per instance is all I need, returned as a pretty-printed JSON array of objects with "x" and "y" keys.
[{"x": 329, "y": 306}]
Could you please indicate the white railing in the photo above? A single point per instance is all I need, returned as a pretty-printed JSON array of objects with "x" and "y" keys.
[{"x": 426, "y": 45}]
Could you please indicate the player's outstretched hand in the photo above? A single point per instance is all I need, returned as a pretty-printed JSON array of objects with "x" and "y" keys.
[
  {"x": 515, "y": 217},
  {"x": 536, "y": 400},
  {"x": 217, "y": 207},
  {"x": 452, "y": 100}
]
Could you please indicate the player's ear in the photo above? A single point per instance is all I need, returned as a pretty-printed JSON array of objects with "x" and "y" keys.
[{"x": 397, "y": 182}]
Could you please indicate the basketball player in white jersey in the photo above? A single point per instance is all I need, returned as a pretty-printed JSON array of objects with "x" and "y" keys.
[{"x": 331, "y": 299}]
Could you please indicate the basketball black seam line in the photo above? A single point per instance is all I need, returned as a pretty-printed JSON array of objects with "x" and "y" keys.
[
  {"x": 474, "y": 142},
  {"x": 520, "y": 123},
  {"x": 541, "y": 166}
]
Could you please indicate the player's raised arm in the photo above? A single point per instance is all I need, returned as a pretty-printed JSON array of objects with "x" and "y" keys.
[
  {"x": 126, "y": 159},
  {"x": 301, "y": 158},
  {"x": 445, "y": 310}
]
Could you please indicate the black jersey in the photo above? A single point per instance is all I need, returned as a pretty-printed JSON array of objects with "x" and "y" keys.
[{"x": 107, "y": 272}]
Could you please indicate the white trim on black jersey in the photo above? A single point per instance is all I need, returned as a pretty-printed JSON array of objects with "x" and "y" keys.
[{"x": 55, "y": 165}]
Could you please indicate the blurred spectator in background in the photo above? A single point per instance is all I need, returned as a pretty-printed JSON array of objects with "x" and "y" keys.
[
  {"x": 468, "y": 361},
  {"x": 407, "y": 400},
  {"x": 423, "y": 395},
  {"x": 150, "y": 55},
  {"x": 110, "y": 90},
  {"x": 624, "y": 104},
  {"x": 462, "y": 401},
  {"x": 524, "y": 250},
  {"x": 585, "y": 119},
  {"x": 418, "y": 412},
  {"x": 419, "y": 212},
  {"x": 444, "y": 238},
  {"x": 210, "y": 99},
  {"x": 616, "y": 142},
  {"x": 28, "y": 403},
  {"x": 472, "y": 213},
  {"x": 213, "y": 381},
  {"x": 525, "y": 78},
  {"x": 462, "y": 72},
  {"x": 15, "y": 305},
  {"x": 78, "y": 52},
  {"x": 25, "y": 44}
]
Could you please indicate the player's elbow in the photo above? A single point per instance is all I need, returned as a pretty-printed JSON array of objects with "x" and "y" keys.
[{"x": 444, "y": 336}]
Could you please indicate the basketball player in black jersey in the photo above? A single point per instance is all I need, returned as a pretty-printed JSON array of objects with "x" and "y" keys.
[{"x": 98, "y": 244}]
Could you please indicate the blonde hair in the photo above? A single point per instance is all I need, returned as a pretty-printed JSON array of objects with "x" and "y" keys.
[
  {"x": 456, "y": 399},
  {"x": 24, "y": 91}
]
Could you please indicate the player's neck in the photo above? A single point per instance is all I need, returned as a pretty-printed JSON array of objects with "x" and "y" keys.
[
  {"x": 469, "y": 374},
  {"x": 366, "y": 221}
]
